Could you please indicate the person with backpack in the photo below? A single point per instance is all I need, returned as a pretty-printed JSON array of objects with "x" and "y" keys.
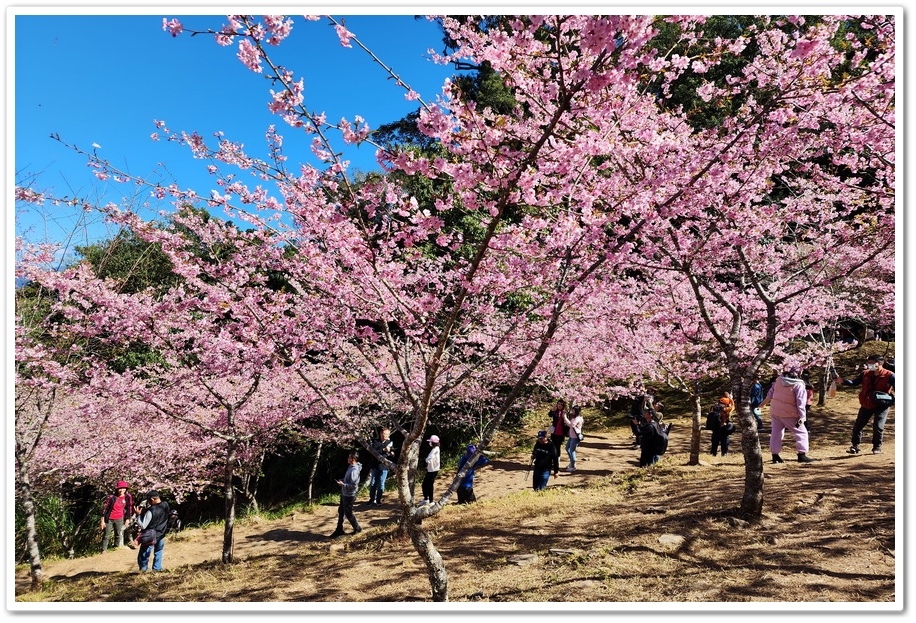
[
  {"x": 719, "y": 422},
  {"x": 155, "y": 518},
  {"x": 544, "y": 459},
  {"x": 652, "y": 439},
  {"x": 466, "y": 488},
  {"x": 574, "y": 425},
  {"x": 788, "y": 397},
  {"x": 875, "y": 400},
  {"x": 116, "y": 513}
]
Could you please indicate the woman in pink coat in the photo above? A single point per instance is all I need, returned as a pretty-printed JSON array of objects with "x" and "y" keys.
[{"x": 787, "y": 399}]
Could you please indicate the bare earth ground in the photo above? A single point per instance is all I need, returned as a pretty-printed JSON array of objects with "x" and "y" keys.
[{"x": 611, "y": 532}]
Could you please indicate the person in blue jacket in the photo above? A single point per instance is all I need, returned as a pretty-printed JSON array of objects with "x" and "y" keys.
[{"x": 466, "y": 488}]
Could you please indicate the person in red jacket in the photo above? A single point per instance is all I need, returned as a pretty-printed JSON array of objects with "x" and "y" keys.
[
  {"x": 875, "y": 379},
  {"x": 119, "y": 507}
]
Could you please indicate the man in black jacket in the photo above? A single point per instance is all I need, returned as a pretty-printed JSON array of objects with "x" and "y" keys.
[
  {"x": 156, "y": 517},
  {"x": 544, "y": 458}
]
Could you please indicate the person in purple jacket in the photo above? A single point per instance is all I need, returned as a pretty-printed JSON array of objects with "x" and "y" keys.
[{"x": 787, "y": 399}]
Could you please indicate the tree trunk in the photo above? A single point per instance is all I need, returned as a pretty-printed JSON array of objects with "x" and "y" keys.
[
  {"x": 696, "y": 432},
  {"x": 435, "y": 568},
  {"x": 752, "y": 500},
  {"x": 310, "y": 484},
  {"x": 28, "y": 506},
  {"x": 229, "y": 492}
]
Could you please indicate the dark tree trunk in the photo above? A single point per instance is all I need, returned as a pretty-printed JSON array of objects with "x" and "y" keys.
[
  {"x": 752, "y": 500},
  {"x": 229, "y": 492},
  {"x": 697, "y": 427}
]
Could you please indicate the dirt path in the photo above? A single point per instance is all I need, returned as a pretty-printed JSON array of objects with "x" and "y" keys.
[{"x": 600, "y": 455}]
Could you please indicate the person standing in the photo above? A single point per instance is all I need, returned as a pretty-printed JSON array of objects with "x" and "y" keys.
[
  {"x": 874, "y": 379},
  {"x": 722, "y": 428},
  {"x": 756, "y": 399},
  {"x": 559, "y": 429},
  {"x": 788, "y": 397},
  {"x": 156, "y": 517},
  {"x": 348, "y": 487},
  {"x": 118, "y": 509},
  {"x": 433, "y": 463},
  {"x": 574, "y": 425},
  {"x": 466, "y": 488},
  {"x": 544, "y": 459},
  {"x": 379, "y": 472},
  {"x": 649, "y": 432}
]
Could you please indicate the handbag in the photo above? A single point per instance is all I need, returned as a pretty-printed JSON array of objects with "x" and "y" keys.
[
  {"x": 580, "y": 435},
  {"x": 883, "y": 400},
  {"x": 148, "y": 537}
]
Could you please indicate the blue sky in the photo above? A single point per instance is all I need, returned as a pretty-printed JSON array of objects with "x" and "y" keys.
[{"x": 104, "y": 79}]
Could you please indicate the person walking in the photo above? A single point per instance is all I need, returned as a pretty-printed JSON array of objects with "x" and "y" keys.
[
  {"x": 348, "y": 488},
  {"x": 155, "y": 517},
  {"x": 788, "y": 397},
  {"x": 875, "y": 399},
  {"x": 558, "y": 428},
  {"x": 433, "y": 463},
  {"x": 378, "y": 474},
  {"x": 573, "y": 424},
  {"x": 544, "y": 459},
  {"x": 466, "y": 488},
  {"x": 117, "y": 511}
]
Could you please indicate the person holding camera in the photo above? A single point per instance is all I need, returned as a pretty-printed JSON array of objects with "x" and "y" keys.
[
  {"x": 155, "y": 517},
  {"x": 875, "y": 400},
  {"x": 348, "y": 488},
  {"x": 788, "y": 398},
  {"x": 378, "y": 472},
  {"x": 573, "y": 424}
]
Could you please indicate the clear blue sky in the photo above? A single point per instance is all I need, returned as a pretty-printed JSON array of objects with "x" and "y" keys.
[{"x": 104, "y": 79}]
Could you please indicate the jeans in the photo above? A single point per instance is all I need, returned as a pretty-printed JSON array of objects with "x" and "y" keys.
[
  {"x": 145, "y": 550},
  {"x": 345, "y": 509},
  {"x": 571, "y": 446},
  {"x": 541, "y": 476},
  {"x": 377, "y": 477},
  {"x": 877, "y": 434},
  {"x": 118, "y": 526}
]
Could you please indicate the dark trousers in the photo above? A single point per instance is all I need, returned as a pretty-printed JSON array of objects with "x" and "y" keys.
[
  {"x": 877, "y": 435},
  {"x": 427, "y": 485},
  {"x": 647, "y": 457},
  {"x": 557, "y": 441},
  {"x": 346, "y": 510}
]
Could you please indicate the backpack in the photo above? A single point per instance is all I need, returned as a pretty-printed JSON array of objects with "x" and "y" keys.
[
  {"x": 661, "y": 440},
  {"x": 174, "y": 522}
]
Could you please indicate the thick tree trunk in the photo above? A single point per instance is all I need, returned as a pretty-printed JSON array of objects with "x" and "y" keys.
[
  {"x": 435, "y": 568},
  {"x": 752, "y": 500},
  {"x": 28, "y": 506}
]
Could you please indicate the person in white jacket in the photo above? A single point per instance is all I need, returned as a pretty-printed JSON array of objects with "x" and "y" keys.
[
  {"x": 573, "y": 422},
  {"x": 432, "y": 469},
  {"x": 788, "y": 397}
]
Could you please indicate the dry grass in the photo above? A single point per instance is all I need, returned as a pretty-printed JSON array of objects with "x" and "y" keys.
[{"x": 827, "y": 535}]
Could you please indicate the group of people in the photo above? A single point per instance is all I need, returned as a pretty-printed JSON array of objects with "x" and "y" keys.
[{"x": 153, "y": 520}]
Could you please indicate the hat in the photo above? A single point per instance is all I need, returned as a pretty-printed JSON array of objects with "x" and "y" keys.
[
  {"x": 472, "y": 448},
  {"x": 433, "y": 439},
  {"x": 152, "y": 494},
  {"x": 542, "y": 434},
  {"x": 122, "y": 485}
]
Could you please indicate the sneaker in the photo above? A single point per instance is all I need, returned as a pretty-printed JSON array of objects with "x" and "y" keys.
[
  {"x": 876, "y": 450},
  {"x": 357, "y": 530},
  {"x": 853, "y": 450}
]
